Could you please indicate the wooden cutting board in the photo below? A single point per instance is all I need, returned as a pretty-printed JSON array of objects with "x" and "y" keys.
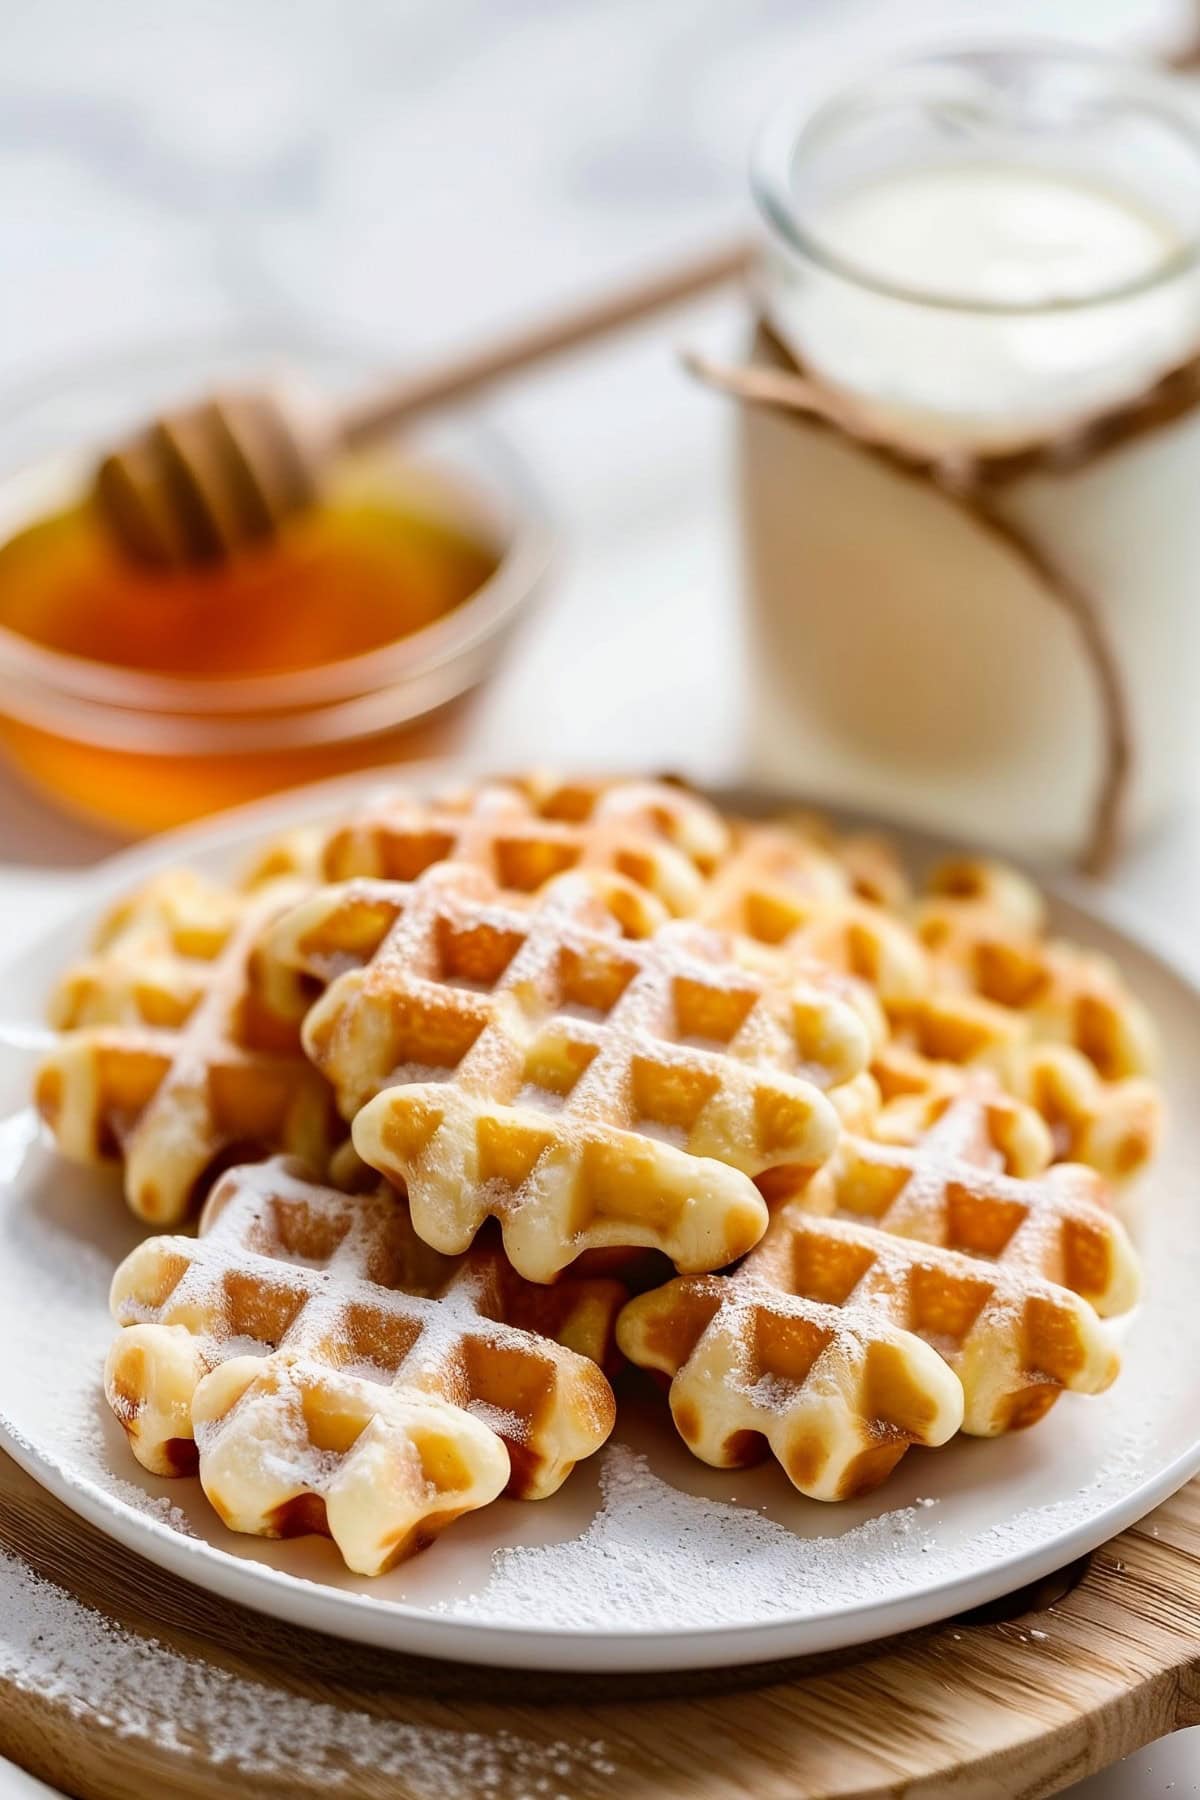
[{"x": 118, "y": 1682}]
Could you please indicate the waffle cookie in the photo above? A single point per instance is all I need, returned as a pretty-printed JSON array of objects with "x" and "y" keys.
[
  {"x": 968, "y": 977},
  {"x": 589, "y": 1091},
  {"x": 168, "y": 1059},
  {"x": 869, "y": 862},
  {"x": 1057, "y": 1023},
  {"x": 524, "y": 831},
  {"x": 639, "y": 847},
  {"x": 181, "y": 1042},
  {"x": 645, "y": 848},
  {"x": 323, "y": 1370},
  {"x": 778, "y": 887},
  {"x": 1000, "y": 1277}
]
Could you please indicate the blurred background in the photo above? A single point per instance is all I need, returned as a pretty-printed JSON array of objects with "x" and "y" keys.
[
  {"x": 406, "y": 175},
  {"x": 411, "y": 170}
]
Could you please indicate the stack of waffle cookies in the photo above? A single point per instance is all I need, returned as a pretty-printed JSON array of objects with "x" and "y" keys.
[{"x": 484, "y": 1101}]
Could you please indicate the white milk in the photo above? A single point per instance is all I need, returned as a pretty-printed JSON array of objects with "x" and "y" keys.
[
  {"x": 945, "y": 377},
  {"x": 904, "y": 659}
]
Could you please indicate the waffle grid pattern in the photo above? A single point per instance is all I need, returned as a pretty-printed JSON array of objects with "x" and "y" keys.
[
  {"x": 656, "y": 840},
  {"x": 588, "y": 1091},
  {"x": 168, "y": 1060},
  {"x": 593, "y": 1018},
  {"x": 1001, "y": 1277},
  {"x": 969, "y": 979},
  {"x": 324, "y": 1370}
]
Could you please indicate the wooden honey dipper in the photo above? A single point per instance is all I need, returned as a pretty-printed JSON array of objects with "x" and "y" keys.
[{"x": 201, "y": 483}]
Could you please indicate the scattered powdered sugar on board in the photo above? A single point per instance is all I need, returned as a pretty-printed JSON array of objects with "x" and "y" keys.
[
  {"x": 53, "y": 1646},
  {"x": 654, "y": 1557}
]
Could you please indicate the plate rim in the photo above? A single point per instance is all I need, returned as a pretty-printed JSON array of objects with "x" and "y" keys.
[{"x": 402, "y": 1626}]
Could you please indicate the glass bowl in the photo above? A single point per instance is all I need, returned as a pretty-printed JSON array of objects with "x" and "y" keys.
[{"x": 140, "y": 751}]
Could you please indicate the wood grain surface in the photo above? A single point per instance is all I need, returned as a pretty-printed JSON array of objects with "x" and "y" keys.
[{"x": 1016, "y": 1702}]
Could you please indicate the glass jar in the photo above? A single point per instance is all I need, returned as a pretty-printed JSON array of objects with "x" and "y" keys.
[
  {"x": 139, "y": 749},
  {"x": 989, "y": 261}
]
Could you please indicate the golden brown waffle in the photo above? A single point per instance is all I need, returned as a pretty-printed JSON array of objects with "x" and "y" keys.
[
  {"x": 588, "y": 1091},
  {"x": 324, "y": 1371},
  {"x": 1018, "y": 1131},
  {"x": 182, "y": 1044},
  {"x": 523, "y": 833},
  {"x": 758, "y": 1364},
  {"x": 1002, "y": 1277},
  {"x": 1056, "y": 1022},
  {"x": 968, "y": 976},
  {"x": 870, "y": 862},
  {"x": 778, "y": 887},
  {"x": 671, "y": 810},
  {"x": 985, "y": 928},
  {"x": 1044, "y": 1255},
  {"x": 168, "y": 1060},
  {"x": 343, "y": 925},
  {"x": 640, "y": 847}
]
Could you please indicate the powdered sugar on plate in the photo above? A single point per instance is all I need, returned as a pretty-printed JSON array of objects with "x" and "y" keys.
[
  {"x": 655, "y": 1557},
  {"x": 155, "y": 1506},
  {"x": 66, "y": 1279}
]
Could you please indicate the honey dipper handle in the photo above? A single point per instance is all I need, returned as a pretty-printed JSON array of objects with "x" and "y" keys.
[{"x": 459, "y": 376}]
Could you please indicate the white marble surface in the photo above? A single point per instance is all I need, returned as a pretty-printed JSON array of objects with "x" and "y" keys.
[{"x": 413, "y": 171}]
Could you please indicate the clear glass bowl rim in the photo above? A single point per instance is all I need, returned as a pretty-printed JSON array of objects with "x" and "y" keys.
[{"x": 526, "y": 554}]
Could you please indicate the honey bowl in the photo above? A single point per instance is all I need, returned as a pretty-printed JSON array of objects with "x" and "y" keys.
[{"x": 139, "y": 699}]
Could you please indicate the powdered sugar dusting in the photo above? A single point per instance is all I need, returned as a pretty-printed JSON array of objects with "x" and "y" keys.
[
  {"x": 747, "y": 1550},
  {"x": 155, "y": 1506},
  {"x": 53, "y": 1646},
  {"x": 1123, "y": 1468},
  {"x": 656, "y": 1558}
]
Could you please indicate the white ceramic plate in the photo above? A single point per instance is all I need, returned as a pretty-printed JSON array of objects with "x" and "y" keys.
[{"x": 647, "y": 1559}]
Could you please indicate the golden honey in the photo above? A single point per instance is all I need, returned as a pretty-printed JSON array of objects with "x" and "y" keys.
[{"x": 362, "y": 572}]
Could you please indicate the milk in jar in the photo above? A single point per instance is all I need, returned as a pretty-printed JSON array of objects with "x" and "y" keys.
[{"x": 992, "y": 260}]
